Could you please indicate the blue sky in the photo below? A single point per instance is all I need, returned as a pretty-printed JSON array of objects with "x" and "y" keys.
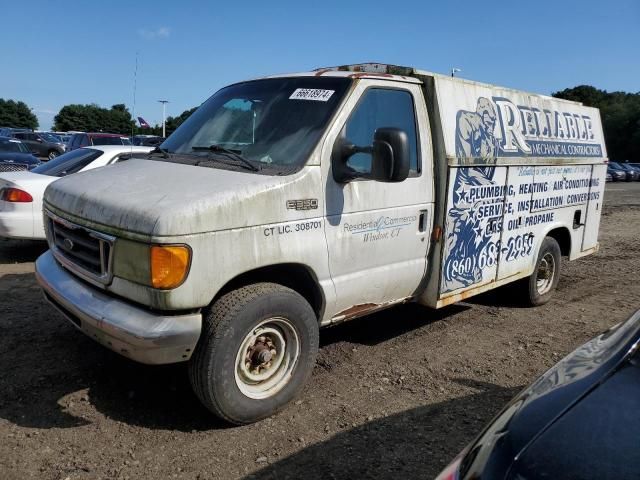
[{"x": 55, "y": 53}]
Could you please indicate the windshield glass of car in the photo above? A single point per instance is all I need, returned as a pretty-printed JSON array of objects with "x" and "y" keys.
[
  {"x": 107, "y": 141},
  {"x": 275, "y": 122},
  {"x": 50, "y": 138},
  {"x": 13, "y": 146},
  {"x": 68, "y": 163}
]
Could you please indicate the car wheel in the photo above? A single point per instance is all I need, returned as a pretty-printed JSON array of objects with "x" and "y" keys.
[
  {"x": 256, "y": 351},
  {"x": 538, "y": 288},
  {"x": 52, "y": 154}
]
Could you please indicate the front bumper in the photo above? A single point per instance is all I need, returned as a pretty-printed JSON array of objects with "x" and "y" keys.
[{"x": 129, "y": 330}]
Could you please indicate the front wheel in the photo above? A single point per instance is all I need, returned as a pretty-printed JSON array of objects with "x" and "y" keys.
[
  {"x": 257, "y": 349},
  {"x": 539, "y": 287},
  {"x": 52, "y": 154}
]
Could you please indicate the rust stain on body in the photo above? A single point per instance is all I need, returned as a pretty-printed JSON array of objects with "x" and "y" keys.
[{"x": 357, "y": 310}]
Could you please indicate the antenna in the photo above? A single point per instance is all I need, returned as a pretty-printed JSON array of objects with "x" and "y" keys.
[
  {"x": 454, "y": 71},
  {"x": 135, "y": 84}
]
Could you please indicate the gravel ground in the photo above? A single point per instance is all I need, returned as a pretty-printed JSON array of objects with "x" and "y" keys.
[{"x": 393, "y": 395}]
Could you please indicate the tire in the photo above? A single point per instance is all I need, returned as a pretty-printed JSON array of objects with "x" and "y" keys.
[
  {"x": 240, "y": 325},
  {"x": 52, "y": 154},
  {"x": 537, "y": 289}
]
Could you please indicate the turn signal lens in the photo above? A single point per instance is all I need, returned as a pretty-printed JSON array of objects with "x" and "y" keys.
[
  {"x": 15, "y": 195},
  {"x": 169, "y": 265}
]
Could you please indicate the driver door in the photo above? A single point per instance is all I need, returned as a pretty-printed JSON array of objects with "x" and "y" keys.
[{"x": 377, "y": 232}]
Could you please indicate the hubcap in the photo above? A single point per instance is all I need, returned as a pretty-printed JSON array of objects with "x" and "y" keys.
[
  {"x": 545, "y": 274},
  {"x": 52, "y": 155},
  {"x": 266, "y": 358}
]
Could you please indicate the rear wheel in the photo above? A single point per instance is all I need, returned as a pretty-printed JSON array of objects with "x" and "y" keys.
[
  {"x": 256, "y": 351},
  {"x": 539, "y": 287},
  {"x": 52, "y": 154}
]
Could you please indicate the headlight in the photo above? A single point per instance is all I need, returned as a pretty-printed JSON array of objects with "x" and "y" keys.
[{"x": 169, "y": 265}]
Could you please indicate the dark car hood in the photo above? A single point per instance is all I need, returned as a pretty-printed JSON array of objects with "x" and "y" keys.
[
  {"x": 538, "y": 406},
  {"x": 16, "y": 157},
  {"x": 597, "y": 438}
]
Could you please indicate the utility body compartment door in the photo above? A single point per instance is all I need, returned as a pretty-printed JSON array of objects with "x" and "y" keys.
[
  {"x": 378, "y": 233},
  {"x": 474, "y": 219},
  {"x": 594, "y": 207}
]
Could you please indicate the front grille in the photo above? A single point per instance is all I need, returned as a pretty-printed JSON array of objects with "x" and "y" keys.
[
  {"x": 13, "y": 167},
  {"x": 80, "y": 249}
]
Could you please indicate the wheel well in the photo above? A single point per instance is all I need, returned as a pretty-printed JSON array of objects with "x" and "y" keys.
[
  {"x": 292, "y": 275},
  {"x": 563, "y": 237}
]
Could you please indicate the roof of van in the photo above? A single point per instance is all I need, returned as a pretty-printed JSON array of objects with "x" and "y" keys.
[{"x": 397, "y": 73}]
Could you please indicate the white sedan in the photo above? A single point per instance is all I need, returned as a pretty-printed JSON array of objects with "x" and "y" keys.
[{"x": 21, "y": 192}]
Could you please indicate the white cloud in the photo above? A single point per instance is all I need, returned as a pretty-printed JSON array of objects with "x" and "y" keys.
[{"x": 152, "y": 34}]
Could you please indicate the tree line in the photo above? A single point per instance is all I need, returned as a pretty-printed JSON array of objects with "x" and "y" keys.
[
  {"x": 620, "y": 112},
  {"x": 85, "y": 118},
  {"x": 117, "y": 119}
]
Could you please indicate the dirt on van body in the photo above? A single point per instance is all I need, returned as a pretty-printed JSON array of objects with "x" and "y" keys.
[{"x": 393, "y": 395}]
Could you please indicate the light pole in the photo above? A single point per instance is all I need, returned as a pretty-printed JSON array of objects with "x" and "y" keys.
[
  {"x": 454, "y": 71},
  {"x": 164, "y": 115}
]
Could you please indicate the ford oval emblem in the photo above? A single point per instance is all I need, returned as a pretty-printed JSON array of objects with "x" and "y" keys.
[{"x": 68, "y": 244}]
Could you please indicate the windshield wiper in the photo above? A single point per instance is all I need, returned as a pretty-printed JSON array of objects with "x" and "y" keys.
[
  {"x": 163, "y": 152},
  {"x": 233, "y": 154}
]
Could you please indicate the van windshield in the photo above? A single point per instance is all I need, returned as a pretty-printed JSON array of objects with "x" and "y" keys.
[{"x": 272, "y": 123}]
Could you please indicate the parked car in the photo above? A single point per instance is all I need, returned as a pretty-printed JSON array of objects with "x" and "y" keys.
[
  {"x": 609, "y": 177},
  {"x": 148, "y": 140},
  {"x": 631, "y": 174},
  {"x": 579, "y": 420},
  {"x": 8, "y": 131},
  {"x": 617, "y": 173},
  {"x": 79, "y": 140},
  {"x": 15, "y": 156},
  {"x": 21, "y": 192},
  {"x": 42, "y": 144},
  {"x": 635, "y": 172}
]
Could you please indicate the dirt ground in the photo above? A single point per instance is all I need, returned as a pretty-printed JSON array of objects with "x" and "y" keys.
[{"x": 394, "y": 395}]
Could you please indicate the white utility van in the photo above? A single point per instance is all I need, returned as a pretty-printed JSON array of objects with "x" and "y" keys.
[{"x": 293, "y": 202}]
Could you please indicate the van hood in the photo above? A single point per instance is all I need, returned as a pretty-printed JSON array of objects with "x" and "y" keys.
[{"x": 157, "y": 198}]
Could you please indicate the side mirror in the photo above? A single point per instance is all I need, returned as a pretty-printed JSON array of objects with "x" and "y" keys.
[
  {"x": 390, "y": 156},
  {"x": 390, "y": 160}
]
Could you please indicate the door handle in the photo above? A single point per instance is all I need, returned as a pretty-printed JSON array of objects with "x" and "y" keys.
[{"x": 422, "y": 222}]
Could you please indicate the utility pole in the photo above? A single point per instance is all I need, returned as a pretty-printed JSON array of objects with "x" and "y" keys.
[{"x": 164, "y": 115}]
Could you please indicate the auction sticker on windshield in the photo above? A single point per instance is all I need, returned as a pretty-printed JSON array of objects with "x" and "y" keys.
[{"x": 315, "y": 94}]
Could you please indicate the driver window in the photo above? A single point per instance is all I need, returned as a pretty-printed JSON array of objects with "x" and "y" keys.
[{"x": 380, "y": 107}]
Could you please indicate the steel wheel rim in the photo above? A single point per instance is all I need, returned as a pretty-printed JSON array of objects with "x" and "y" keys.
[
  {"x": 257, "y": 378},
  {"x": 545, "y": 274},
  {"x": 52, "y": 155}
]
